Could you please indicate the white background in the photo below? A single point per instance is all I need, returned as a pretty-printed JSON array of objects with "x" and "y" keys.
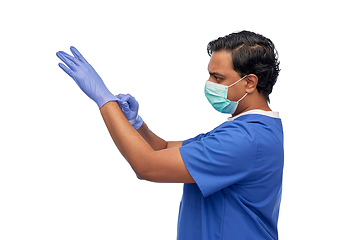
[{"x": 61, "y": 176}]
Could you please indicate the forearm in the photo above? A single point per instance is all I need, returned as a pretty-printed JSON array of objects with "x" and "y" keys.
[
  {"x": 156, "y": 142},
  {"x": 151, "y": 138},
  {"x": 130, "y": 108},
  {"x": 158, "y": 166},
  {"x": 131, "y": 145}
]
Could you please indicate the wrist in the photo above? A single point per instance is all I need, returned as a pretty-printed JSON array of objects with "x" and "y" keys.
[
  {"x": 137, "y": 122},
  {"x": 104, "y": 98}
]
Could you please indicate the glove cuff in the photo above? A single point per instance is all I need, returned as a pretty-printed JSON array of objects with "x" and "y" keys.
[
  {"x": 107, "y": 97},
  {"x": 137, "y": 122}
]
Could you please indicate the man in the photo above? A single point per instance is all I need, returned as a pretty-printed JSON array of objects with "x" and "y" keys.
[{"x": 232, "y": 174}]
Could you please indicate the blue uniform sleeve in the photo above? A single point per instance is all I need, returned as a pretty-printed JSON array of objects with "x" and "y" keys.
[
  {"x": 221, "y": 157},
  {"x": 197, "y": 138}
]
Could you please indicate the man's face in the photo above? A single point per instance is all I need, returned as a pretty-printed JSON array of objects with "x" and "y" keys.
[{"x": 221, "y": 71}]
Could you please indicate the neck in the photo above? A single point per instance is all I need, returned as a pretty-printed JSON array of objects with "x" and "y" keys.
[{"x": 250, "y": 102}]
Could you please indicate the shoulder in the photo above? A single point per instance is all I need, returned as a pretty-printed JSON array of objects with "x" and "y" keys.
[
  {"x": 227, "y": 142},
  {"x": 259, "y": 121},
  {"x": 232, "y": 133}
]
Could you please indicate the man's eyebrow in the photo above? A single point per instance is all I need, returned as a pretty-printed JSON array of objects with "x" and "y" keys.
[{"x": 216, "y": 73}]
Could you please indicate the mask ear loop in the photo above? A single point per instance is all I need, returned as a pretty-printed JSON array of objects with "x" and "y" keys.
[
  {"x": 242, "y": 97},
  {"x": 237, "y": 81}
]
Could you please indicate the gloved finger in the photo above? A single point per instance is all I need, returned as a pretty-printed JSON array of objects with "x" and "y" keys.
[
  {"x": 70, "y": 61},
  {"x": 68, "y": 71},
  {"x": 125, "y": 98},
  {"x": 133, "y": 103},
  {"x": 124, "y": 106},
  {"x": 71, "y": 58},
  {"x": 77, "y": 54},
  {"x": 131, "y": 99},
  {"x": 119, "y": 96}
]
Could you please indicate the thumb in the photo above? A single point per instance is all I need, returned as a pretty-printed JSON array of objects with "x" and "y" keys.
[
  {"x": 133, "y": 103},
  {"x": 124, "y": 106}
]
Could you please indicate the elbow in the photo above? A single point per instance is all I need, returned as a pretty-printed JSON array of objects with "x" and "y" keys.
[
  {"x": 142, "y": 173},
  {"x": 144, "y": 169},
  {"x": 145, "y": 174},
  {"x": 139, "y": 176},
  {"x": 143, "y": 177}
]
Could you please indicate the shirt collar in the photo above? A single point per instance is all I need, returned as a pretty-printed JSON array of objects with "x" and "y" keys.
[{"x": 256, "y": 111}]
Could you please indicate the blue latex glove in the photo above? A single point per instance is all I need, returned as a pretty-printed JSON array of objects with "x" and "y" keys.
[
  {"x": 85, "y": 77},
  {"x": 130, "y": 108}
]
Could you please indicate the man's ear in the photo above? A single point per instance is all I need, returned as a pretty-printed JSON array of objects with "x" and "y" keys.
[{"x": 252, "y": 81}]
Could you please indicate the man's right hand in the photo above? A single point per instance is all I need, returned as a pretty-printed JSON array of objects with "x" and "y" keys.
[{"x": 130, "y": 108}]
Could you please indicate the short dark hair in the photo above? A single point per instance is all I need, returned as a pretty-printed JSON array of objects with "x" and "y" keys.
[{"x": 252, "y": 53}]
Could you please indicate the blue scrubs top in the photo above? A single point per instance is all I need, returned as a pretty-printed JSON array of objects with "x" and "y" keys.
[{"x": 238, "y": 170}]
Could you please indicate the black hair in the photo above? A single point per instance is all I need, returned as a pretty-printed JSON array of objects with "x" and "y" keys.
[{"x": 252, "y": 53}]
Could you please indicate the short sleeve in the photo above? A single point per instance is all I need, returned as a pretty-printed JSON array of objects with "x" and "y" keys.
[
  {"x": 220, "y": 158},
  {"x": 197, "y": 138}
]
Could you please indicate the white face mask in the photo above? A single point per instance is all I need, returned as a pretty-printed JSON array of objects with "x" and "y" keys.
[{"x": 217, "y": 96}]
